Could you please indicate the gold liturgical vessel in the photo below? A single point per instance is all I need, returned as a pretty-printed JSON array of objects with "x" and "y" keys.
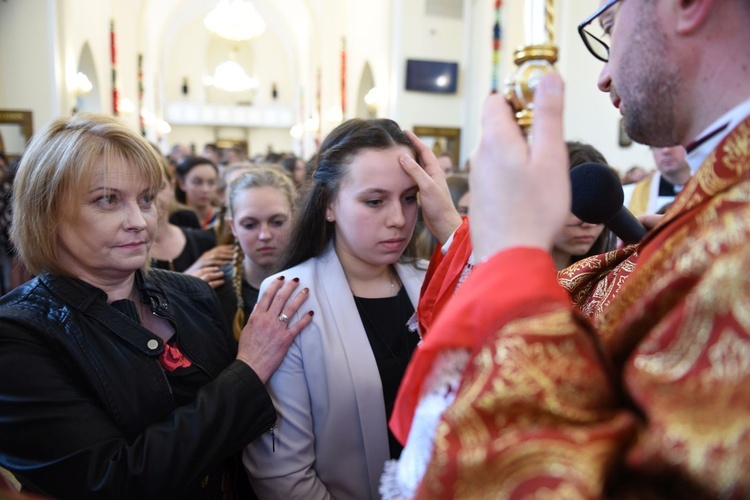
[{"x": 533, "y": 60}]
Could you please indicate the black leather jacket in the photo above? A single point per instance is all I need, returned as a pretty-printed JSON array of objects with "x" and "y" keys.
[{"x": 85, "y": 408}]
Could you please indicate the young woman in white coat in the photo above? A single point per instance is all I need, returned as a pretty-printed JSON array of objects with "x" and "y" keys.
[{"x": 335, "y": 389}]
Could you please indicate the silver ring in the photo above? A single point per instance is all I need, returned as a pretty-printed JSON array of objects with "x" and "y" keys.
[{"x": 283, "y": 318}]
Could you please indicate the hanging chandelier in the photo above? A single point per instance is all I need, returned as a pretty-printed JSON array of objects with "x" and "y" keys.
[
  {"x": 235, "y": 20},
  {"x": 230, "y": 76}
]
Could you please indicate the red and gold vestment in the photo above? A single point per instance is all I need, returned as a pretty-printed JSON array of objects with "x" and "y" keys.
[{"x": 630, "y": 380}]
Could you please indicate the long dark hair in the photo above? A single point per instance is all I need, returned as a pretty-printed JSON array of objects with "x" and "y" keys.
[
  {"x": 578, "y": 154},
  {"x": 311, "y": 233},
  {"x": 182, "y": 170}
]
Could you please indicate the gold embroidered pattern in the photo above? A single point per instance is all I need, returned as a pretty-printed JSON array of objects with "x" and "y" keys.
[
  {"x": 714, "y": 176},
  {"x": 594, "y": 282},
  {"x": 691, "y": 373},
  {"x": 537, "y": 371},
  {"x": 711, "y": 179},
  {"x": 697, "y": 380},
  {"x": 721, "y": 292},
  {"x": 536, "y": 413}
]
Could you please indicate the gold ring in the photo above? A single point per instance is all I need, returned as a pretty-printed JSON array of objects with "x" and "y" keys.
[{"x": 283, "y": 318}]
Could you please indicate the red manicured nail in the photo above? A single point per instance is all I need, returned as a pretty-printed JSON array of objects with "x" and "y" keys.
[
  {"x": 296, "y": 280},
  {"x": 311, "y": 313},
  {"x": 280, "y": 278}
]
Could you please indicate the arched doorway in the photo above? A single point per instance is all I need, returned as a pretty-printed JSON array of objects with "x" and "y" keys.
[
  {"x": 90, "y": 101},
  {"x": 366, "y": 93}
]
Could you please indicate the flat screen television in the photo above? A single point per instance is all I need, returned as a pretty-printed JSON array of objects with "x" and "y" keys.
[{"x": 431, "y": 76}]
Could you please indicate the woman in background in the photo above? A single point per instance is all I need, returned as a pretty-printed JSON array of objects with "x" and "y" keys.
[
  {"x": 577, "y": 239},
  {"x": 259, "y": 207},
  {"x": 295, "y": 167},
  {"x": 185, "y": 249},
  {"x": 196, "y": 188},
  {"x": 350, "y": 246}
]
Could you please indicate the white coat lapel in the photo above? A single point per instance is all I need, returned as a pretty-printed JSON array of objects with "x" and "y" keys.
[{"x": 362, "y": 366}]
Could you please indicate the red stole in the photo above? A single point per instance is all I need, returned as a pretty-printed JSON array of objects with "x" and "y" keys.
[{"x": 644, "y": 384}]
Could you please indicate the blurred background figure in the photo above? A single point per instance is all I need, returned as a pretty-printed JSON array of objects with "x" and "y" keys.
[
  {"x": 13, "y": 272},
  {"x": 260, "y": 206},
  {"x": 654, "y": 193},
  {"x": 185, "y": 249},
  {"x": 211, "y": 151},
  {"x": 426, "y": 242},
  {"x": 178, "y": 153},
  {"x": 458, "y": 185},
  {"x": 232, "y": 155},
  {"x": 272, "y": 158},
  {"x": 296, "y": 168},
  {"x": 446, "y": 163},
  {"x": 196, "y": 188},
  {"x": 634, "y": 174}
]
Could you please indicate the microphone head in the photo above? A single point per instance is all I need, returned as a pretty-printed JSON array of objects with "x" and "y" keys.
[{"x": 597, "y": 193}]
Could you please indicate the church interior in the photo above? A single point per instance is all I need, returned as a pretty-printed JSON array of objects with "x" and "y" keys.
[{"x": 314, "y": 63}]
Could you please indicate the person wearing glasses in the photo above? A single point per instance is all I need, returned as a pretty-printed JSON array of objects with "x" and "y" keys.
[{"x": 632, "y": 380}]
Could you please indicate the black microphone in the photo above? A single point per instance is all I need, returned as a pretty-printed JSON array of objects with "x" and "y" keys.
[{"x": 598, "y": 199}]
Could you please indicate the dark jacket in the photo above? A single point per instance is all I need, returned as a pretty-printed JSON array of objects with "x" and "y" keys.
[{"x": 85, "y": 407}]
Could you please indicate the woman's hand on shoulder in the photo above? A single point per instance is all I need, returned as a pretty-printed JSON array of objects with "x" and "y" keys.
[
  {"x": 440, "y": 215},
  {"x": 269, "y": 332}
]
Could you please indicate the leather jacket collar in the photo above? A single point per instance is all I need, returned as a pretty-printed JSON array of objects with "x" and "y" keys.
[{"x": 92, "y": 301}]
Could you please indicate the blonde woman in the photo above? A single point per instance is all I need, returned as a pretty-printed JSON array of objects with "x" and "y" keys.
[
  {"x": 259, "y": 207},
  {"x": 119, "y": 381}
]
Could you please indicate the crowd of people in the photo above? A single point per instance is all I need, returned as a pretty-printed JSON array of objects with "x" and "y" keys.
[{"x": 371, "y": 323}]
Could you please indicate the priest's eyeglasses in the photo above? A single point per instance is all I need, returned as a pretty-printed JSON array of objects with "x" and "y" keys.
[{"x": 596, "y": 45}]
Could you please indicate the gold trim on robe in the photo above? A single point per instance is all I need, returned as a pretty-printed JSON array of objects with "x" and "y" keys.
[{"x": 641, "y": 389}]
